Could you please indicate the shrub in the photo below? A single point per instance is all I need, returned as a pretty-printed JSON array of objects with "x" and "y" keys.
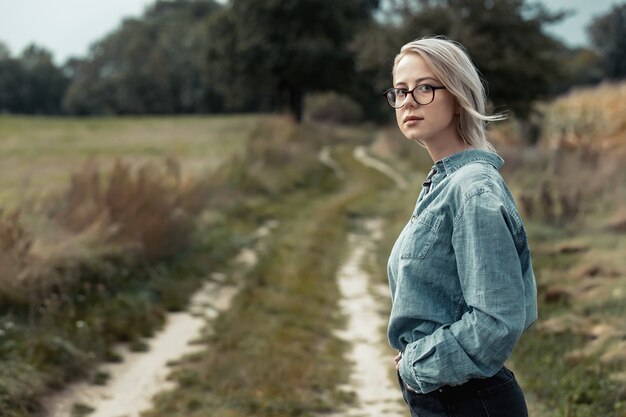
[
  {"x": 142, "y": 210},
  {"x": 331, "y": 107},
  {"x": 592, "y": 118},
  {"x": 279, "y": 156},
  {"x": 15, "y": 245}
]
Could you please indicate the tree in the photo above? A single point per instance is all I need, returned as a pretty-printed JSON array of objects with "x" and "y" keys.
[
  {"x": 608, "y": 35},
  {"x": 148, "y": 65},
  {"x": 45, "y": 84},
  {"x": 505, "y": 38},
  {"x": 31, "y": 83},
  {"x": 5, "y": 52},
  {"x": 275, "y": 51}
]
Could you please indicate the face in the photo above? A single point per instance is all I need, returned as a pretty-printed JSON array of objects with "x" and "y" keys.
[{"x": 431, "y": 123}]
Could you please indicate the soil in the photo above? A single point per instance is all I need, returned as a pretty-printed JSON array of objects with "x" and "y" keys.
[{"x": 371, "y": 382}]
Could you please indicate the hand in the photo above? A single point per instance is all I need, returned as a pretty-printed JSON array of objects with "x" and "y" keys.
[{"x": 397, "y": 360}]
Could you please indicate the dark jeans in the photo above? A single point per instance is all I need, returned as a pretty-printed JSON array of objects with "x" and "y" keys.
[{"x": 498, "y": 396}]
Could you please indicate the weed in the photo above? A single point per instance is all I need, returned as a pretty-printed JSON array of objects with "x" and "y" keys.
[
  {"x": 81, "y": 410},
  {"x": 100, "y": 378}
]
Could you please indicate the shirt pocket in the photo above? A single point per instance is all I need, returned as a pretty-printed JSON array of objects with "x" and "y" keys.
[{"x": 421, "y": 234}]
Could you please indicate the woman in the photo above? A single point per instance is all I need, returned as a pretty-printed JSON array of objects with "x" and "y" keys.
[{"x": 460, "y": 273}]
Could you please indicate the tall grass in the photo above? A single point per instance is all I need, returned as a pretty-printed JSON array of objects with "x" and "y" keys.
[
  {"x": 274, "y": 353},
  {"x": 144, "y": 210},
  {"x": 571, "y": 190},
  {"x": 592, "y": 118},
  {"x": 121, "y": 247},
  {"x": 37, "y": 154},
  {"x": 61, "y": 310},
  {"x": 128, "y": 243}
]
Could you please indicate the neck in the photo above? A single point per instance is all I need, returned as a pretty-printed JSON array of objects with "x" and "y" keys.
[{"x": 443, "y": 149}]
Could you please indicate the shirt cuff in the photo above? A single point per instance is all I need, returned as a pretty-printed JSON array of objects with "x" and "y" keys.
[{"x": 408, "y": 372}]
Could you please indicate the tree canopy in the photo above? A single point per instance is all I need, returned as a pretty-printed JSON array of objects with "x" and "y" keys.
[
  {"x": 204, "y": 56},
  {"x": 278, "y": 50},
  {"x": 30, "y": 83},
  {"x": 149, "y": 65},
  {"x": 505, "y": 38},
  {"x": 608, "y": 35}
]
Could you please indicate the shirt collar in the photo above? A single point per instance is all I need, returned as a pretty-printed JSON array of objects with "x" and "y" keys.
[{"x": 453, "y": 162}]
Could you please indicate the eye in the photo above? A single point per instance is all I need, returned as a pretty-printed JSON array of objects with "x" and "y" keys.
[
  {"x": 424, "y": 88},
  {"x": 401, "y": 92}
]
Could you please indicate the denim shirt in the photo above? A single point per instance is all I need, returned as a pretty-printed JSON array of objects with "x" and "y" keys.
[{"x": 462, "y": 285}]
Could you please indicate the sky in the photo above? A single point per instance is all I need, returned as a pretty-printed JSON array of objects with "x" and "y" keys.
[{"x": 68, "y": 27}]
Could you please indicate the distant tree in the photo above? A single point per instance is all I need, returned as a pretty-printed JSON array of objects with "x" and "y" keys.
[
  {"x": 505, "y": 38},
  {"x": 31, "y": 83},
  {"x": 5, "y": 52},
  {"x": 150, "y": 65},
  {"x": 12, "y": 78},
  {"x": 272, "y": 52},
  {"x": 608, "y": 35},
  {"x": 45, "y": 84},
  {"x": 581, "y": 66}
]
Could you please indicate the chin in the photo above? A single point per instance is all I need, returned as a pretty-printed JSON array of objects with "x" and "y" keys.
[{"x": 414, "y": 137}]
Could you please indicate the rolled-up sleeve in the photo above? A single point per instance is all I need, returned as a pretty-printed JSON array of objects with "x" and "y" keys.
[{"x": 490, "y": 273}]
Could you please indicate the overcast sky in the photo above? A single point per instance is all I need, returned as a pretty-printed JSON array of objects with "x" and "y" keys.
[{"x": 68, "y": 27}]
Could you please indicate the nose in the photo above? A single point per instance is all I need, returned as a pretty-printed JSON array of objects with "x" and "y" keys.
[{"x": 410, "y": 100}]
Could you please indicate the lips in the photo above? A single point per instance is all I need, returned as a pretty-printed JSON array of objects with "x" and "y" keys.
[{"x": 412, "y": 118}]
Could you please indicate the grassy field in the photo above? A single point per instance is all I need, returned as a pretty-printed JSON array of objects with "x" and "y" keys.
[
  {"x": 37, "y": 154},
  {"x": 76, "y": 273}
]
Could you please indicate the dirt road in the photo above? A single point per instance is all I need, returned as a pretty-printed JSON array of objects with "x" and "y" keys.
[{"x": 375, "y": 392}]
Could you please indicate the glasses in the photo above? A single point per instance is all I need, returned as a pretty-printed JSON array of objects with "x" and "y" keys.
[{"x": 422, "y": 94}]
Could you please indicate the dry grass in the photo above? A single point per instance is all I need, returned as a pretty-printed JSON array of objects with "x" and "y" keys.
[
  {"x": 590, "y": 118},
  {"x": 37, "y": 154},
  {"x": 91, "y": 258},
  {"x": 142, "y": 209}
]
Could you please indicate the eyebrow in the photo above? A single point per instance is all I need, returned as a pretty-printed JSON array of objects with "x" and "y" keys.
[{"x": 419, "y": 80}]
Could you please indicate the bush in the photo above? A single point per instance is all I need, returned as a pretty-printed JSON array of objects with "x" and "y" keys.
[
  {"x": 332, "y": 108},
  {"x": 279, "y": 157},
  {"x": 15, "y": 245},
  {"x": 143, "y": 210},
  {"x": 587, "y": 118}
]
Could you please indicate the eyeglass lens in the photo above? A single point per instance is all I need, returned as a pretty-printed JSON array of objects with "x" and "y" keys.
[{"x": 421, "y": 94}]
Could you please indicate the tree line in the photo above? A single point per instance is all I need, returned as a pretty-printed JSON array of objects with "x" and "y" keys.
[{"x": 200, "y": 56}]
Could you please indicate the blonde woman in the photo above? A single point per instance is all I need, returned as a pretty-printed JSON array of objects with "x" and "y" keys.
[{"x": 460, "y": 273}]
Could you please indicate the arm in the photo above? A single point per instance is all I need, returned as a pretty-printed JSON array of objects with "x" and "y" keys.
[{"x": 490, "y": 275}]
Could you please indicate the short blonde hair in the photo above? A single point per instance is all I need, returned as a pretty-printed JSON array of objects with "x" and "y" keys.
[{"x": 452, "y": 65}]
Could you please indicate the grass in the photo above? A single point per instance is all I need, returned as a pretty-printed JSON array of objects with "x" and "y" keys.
[
  {"x": 571, "y": 359},
  {"x": 274, "y": 352},
  {"x": 37, "y": 154},
  {"x": 61, "y": 314}
]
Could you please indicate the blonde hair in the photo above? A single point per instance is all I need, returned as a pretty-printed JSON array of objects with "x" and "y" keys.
[{"x": 452, "y": 65}]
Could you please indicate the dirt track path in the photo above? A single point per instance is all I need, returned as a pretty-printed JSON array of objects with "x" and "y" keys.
[
  {"x": 360, "y": 154},
  {"x": 141, "y": 375},
  {"x": 375, "y": 392}
]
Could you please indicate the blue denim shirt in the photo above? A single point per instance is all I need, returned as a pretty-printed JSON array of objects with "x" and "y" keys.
[{"x": 461, "y": 279}]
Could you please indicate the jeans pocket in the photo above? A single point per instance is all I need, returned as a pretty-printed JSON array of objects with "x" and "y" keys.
[{"x": 505, "y": 399}]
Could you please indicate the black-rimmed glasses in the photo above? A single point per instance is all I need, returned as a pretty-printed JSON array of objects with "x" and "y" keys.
[{"x": 422, "y": 94}]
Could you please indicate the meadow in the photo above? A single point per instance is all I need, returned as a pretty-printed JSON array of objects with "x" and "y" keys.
[
  {"x": 169, "y": 200},
  {"x": 39, "y": 153}
]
